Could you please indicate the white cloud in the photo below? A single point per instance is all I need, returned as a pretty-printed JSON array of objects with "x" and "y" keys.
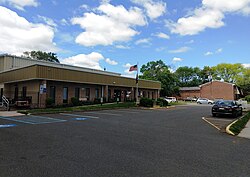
[
  {"x": 89, "y": 61},
  {"x": 219, "y": 50},
  {"x": 162, "y": 35},
  {"x": 143, "y": 41},
  {"x": 190, "y": 42},
  {"x": 122, "y": 47},
  {"x": 18, "y": 35},
  {"x": 239, "y": 6},
  {"x": 180, "y": 50},
  {"x": 64, "y": 22},
  {"x": 246, "y": 65},
  {"x": 208, "y": 53},
  {"x": 111, "y": 62},
  {"x": 85, "y": 7},
  {"x": 212, "y": 53},
  {"x": 112, "y": 24},
  {"x": 175, "y": 59},
  {"x": 199, "y": 21},
  {"x": 48, "y": 21},
  {"x": 209, "y": 15},
  {"x": 153, "y": 9},
  {"x": 20, "y": 4}
]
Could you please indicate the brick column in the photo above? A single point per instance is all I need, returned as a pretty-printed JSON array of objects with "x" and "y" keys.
[{"x": 106, "y": 89}]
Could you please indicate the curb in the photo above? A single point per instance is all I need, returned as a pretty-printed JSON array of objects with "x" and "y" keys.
[{"x": 228, "y": 128}]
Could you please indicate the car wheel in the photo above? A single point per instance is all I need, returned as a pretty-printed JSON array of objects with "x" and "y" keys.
[
  {"x": 214, "y": 115},
  {"x": 234, "y": 114},
  {"x": 240, "y": 113}
]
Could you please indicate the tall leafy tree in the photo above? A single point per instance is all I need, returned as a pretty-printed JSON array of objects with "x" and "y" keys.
[
  {"x": 188, "y": 76},
  {"x": 243, "y": 80},
  {"x": 228, "y": 72},
  {"x": 39, "y": 55},
  {"x": 159, "y": 71}
]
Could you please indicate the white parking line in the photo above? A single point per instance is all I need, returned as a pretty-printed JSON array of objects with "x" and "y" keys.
[
  {"x": 77, "y": 115},
  {"x": 203, "y": 118}
]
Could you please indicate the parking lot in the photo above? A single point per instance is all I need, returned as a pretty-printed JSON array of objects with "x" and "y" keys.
[{"x": 124, "y": 142}]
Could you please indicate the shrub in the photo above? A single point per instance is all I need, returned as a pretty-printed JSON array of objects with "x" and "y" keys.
[
  {"x": 97, "y": 100},
  {"x": 240, "y": 124},
  {"x": 75, "y": 101},
  {"x": 49, "y": 102},
  {"x": 247, "y": 98},
  {"x": 161, "y": 102},
  {"x": 146, "y": 102}
]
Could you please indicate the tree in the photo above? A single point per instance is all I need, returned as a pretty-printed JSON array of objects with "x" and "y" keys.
[
  {"x": 243, "y": 81},
  {"x": 39, "y": 55},
  {"x": 159, "y": 71},
  {"x": 188, "y": 76},
  {"x": 227, "y": 72}
]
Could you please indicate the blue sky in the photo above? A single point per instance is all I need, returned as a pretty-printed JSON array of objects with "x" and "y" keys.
[{"x": 117, "y": 34}]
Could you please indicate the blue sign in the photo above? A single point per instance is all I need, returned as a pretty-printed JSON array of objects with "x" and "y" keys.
[{"x": 7, "y": 125}]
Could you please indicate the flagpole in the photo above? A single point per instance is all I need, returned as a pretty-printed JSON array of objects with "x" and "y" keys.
[{"x": 137, "y": 89}]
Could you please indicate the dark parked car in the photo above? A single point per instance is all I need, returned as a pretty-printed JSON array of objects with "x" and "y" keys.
[{"x": 227, "y": 107}]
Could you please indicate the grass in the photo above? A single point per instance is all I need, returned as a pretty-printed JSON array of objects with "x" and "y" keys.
[
  {"x": 177, "y": 103},
  {"x": 79, "y": 108},
  {"x": 240, "y": 124}
]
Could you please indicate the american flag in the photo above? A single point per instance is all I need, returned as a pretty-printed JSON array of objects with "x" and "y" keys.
[{"x": 133, "y": 68}]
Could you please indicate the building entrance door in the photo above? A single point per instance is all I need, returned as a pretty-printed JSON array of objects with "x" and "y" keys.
[{"x": 117, "y": 95}]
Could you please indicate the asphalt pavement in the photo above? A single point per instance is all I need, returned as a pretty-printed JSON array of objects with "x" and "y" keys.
[{"x": 121, "y": 143}]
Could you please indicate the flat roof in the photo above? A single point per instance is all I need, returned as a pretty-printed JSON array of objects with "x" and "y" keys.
[
  {"x": 66, "y": 66},
  {"x": 189, "y": 88}
]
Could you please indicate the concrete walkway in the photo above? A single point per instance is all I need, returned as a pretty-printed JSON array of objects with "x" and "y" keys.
[
  {"x": 9, "y": 114},
  {"x": 245, "y": 133}
]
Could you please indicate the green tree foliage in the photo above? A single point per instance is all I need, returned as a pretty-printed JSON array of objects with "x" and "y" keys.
[
  {"x": 227, "y": 72},
  {"x": 243, "y": 81},
  {"x": 39, "y": 55},
  {"x": 159, "y": 71},
  {"x": 188, "y": 76}
]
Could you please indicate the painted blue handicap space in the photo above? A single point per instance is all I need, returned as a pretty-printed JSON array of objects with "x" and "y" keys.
[
  {"x": 7, "y": 125},
  {"x": 33, "y": 119},
  {"x": 80, "y": 118}
]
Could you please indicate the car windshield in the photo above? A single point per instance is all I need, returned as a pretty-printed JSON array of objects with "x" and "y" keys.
[{"x": 227, "y": 103}]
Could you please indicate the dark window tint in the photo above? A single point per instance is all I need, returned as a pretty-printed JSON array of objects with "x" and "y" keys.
[
  {"x": 52, "y": 93},
  {"x": 65, "y": 94},
  {"x": 24, "y": 92},
  {"x": 77, "y": 92}
]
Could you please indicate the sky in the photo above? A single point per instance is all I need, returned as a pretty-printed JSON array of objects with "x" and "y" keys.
[{"x": 115, "y": 34}]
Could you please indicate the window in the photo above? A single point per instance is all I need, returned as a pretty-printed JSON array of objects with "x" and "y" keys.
[
  {"x": 109, "y": 94},
  {"x": 52, "y": 93},
  {"x": 77, "y": 93},
  {"x": 96, "y": 93},
  {"x": 1, "y": 94},
  {"x": 24, "y": 92},
  {"x": 65, "y": 94},
  {"x": 16, "y": 93},
  {"x": 87, "y": 93}
]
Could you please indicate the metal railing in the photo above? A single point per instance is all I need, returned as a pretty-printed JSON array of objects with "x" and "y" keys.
[{"x": 5, "y": 103}]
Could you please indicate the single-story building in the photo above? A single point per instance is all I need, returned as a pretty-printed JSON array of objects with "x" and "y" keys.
[
  {"x": 212, "y": 90},
  {"x": 24, "y": 79}
]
